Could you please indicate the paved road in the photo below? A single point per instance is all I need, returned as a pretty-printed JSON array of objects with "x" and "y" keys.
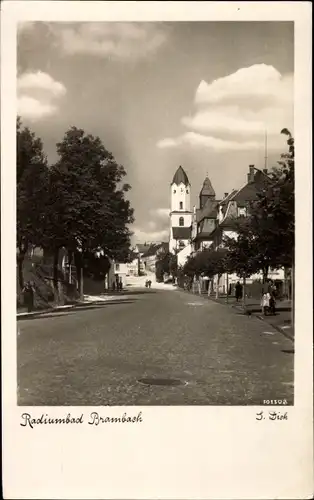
[{"x": 96, "y": 356}]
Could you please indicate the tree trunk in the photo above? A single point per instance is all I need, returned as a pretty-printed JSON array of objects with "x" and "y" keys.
[
  {"x": 265, "y": 274},
  {"x": 20, "y": 261},
  {"x": 244, "y": 292},
  {"x": 55, "y": 275},
  {"x": 217, "y": 286},
  {"x": 210, "y": 287},
  {"x": 81, "y": 283},
  {"x": 227, "y": 284}
]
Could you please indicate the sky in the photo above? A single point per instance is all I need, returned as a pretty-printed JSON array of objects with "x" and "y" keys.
[{"x": 160, "y": 95}]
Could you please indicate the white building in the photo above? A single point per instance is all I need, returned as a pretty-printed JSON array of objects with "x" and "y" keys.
[{"x": 180, "y": 214}]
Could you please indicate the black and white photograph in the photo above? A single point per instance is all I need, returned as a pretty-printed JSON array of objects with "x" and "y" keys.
[
  {"x": 156, "y": 250},
  {"x": 155, "y": 213}
]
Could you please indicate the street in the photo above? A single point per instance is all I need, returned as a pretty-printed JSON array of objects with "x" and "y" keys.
[{"x": 207, "y": 352}]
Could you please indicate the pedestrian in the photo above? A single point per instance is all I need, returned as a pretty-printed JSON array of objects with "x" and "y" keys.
[
  {"x": 149, "y": 283},
  {"x": 238, "y": 291},
  {"x": 120, "y": 283},
  {"x": 29, "y": 296},
  {"x": 272, "y": 301},
  {"x": 266, "y": 297}
]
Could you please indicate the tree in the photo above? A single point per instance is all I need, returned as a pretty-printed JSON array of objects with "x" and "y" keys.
[
  {"x": 206, "y": 262},
  {"x": 87, "y": 210},
  {"x": 266, "y": 238},
  {"x": 241, "y": 254},
  {"x": 165, "y": 264},
  {"x": 32, "y": 185}
]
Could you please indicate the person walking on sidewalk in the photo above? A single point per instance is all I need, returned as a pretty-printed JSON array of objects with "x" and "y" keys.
[
  {"x": 29, "y": 291},
  {"x": 238, "y": 291},
  {"x": 120, "y": 284},
  {"x": 272, "y": 300},
  {"x": 268, "y": 302}
]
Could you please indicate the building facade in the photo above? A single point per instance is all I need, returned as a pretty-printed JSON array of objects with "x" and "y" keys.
[
  {"x": 208, "y": 225},
  {"x": 180, "y": 214}
]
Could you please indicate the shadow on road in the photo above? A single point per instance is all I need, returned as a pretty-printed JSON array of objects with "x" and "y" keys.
[{"x": 58, "y": 313}]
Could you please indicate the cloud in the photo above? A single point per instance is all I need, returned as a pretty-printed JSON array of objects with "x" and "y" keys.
[
  {"x": 142, "y": 236},
  {"x": 39, "y": 80},
  {"x": 257, "y": 81},
  {"x": 204, "y": 141},
  {"x": 114, "y": 40},
  {"x": 31, "y": 108},
  {"x": 236, "y": 120},
  {"x": 161, "y": 213},
  {"x": 37, "y": 94},
  {"x": 234, "y": 112}
]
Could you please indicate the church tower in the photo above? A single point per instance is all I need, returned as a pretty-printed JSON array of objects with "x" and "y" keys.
[
  {"x": 180, "y": 215},
  {"x": 207, "y": 192}
]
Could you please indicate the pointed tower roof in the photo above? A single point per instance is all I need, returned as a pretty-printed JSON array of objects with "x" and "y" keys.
[
  {"x": 207, "y": 189},
  {"x": 180, "y": 177}
]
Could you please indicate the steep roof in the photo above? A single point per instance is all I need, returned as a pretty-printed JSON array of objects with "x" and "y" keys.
[
  {"x": 164, "y": 247},
  {"x": 154, "y": 247},
  {"x": 249, "y": 191},
  {"x": 209, "y": 211},
  {"x": 142, "y": 247},
  {"x": 198, "y": 214},
  {"x": 207, "y": 189},
  {"x": 229, "y": 197},
  {"x": 206, "y": 228},
  {"x": 180, "y": 177},
  {"x": 181, "y": 233}
]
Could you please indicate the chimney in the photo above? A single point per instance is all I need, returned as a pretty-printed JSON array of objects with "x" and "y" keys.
[
  {"x": 225, "y": 195},
  {"x": 250, "y": 175}
]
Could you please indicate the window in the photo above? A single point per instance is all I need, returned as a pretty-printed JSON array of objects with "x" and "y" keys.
[
  {"x": 117, "y": 267},
  {"x": 174, "y": 191},
  {"x": 242, "y": 212},
  {"x": 181, "y": 221},
  {"x": 187, "y": 191},
  {"x": 181, "y": 205}
]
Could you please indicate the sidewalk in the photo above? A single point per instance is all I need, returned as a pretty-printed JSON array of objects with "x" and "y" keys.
[
  {"x": 281, "y": 321},
  {"x": 89, "y": 301}
]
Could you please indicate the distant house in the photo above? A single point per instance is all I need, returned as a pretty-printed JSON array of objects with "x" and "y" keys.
[
  {"x": 132, "y": 264},
  {"x": 151, "y": 255},
  {"x": 234, "y": 207}
]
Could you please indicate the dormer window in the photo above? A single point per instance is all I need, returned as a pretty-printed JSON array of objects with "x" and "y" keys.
[
  {"x": 181, "y": 205},
  {"x": 174, "y": 191},
  {"x": 187, "y": 191},
  {"x": 242, "y": 212}
]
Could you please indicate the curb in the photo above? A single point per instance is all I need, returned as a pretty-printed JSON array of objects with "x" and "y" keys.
[
  {"x": 35, "y": 314},
  {"x": 278, "y": 328},
  {"x": 55, "y": 310},
  {"x": 239, "y": 308}
]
